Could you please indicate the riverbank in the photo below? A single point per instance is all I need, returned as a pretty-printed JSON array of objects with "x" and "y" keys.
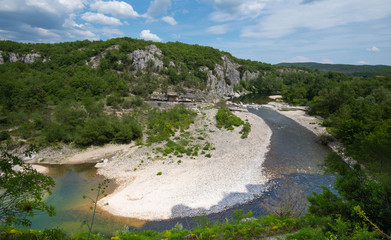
[
  {"x": 154, "y": 187},
  {"x": 312, "y": 123}
]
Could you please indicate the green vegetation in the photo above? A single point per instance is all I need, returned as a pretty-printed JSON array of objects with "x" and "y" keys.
[
  {"x": 164, "y": 123},
  {"x": 61, "y": 99},
  {"x": 226, "y": 119},
  {"x": 239, "y": 227},
  {"x": 355, "y": 70},
  {"x": 22, "y": 193},
  {"x": 245, "y": 130}
]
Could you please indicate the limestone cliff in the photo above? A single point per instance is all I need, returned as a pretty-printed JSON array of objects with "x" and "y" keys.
[
  {"x": 15, "y": 57},
  {"x": 220, "y": 80}
]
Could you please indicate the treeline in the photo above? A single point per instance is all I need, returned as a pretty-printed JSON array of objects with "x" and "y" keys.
[
  {"x": 353, "y": 70},
  {"x": 356, "y": 110}
]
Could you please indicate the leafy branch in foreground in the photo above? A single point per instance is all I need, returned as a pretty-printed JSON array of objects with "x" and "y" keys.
[
  {"x": 100, "y": 192},
  {"x": 364, "y": 216},
  {"x": 22, "y": 191}
]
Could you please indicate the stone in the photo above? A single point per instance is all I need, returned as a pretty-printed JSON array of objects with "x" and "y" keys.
[{"x": 140, "y": 58}]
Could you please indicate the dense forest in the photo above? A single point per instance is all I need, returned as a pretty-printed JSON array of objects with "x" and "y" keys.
[
  {"x": 354, "y": 70},
  {"x": 61, "y": 99}
]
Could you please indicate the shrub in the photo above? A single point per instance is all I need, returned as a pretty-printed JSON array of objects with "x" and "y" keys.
[
  {"x": 4, "y": 135},
  {"x": 226, "y": 119},
  {"x": 163, "y": 124},
  {"x": 245, "y": 130}
]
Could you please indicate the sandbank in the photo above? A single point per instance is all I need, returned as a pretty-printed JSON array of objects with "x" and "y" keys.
[{"x": 154, "y": 188}]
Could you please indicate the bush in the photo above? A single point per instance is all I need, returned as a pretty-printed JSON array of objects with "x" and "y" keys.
[
  {"x": 226, "y": 119},
  {"x": 245, "y": 130},
  {"x": 95, "y": 131},
  {"x": 53, "y": 132},
  {"x": 163, "y": 124},
  {"x": 4, "y": 135}
]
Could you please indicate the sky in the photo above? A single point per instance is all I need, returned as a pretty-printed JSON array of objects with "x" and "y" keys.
[{"x": 271, "y": 31}]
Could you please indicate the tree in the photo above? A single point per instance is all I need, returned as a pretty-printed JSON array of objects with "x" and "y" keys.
[
  {"x": 22, "y": 191},
  {"x": 100, "y": 192}
]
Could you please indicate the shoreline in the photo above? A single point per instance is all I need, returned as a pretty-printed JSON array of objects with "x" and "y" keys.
[
  {"x": 312, "y": 123},
  {"x": 202, "y": 185}
]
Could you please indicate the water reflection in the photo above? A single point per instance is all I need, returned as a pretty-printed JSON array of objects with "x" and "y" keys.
[{"x": 72, "y": 182}]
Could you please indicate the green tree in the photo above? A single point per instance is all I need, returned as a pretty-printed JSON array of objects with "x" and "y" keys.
[{"x": 22, "y": 191}]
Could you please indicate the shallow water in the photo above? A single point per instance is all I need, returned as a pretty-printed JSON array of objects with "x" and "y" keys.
[
  {"x": 294, "y": 157},
  {"x": 72, "y": 182}
]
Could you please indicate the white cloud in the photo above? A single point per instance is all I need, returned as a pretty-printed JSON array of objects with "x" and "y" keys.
[
  {"x": 288, "y": 16},
  {"x": 233, "y": 9},
  {"x": 158, "y": 7},
  {"x": 363, "y": 62},
  {"x": 118, "y": 9},
  {"x": 327, "y": 61},
  {"x": 218, "y": 29},
  {"x": 170, "y": 20},
  {"x": 100, "y": 18},
  {"x": 43, "y": 20},
  {"x": 300, "y": 59},
  {"x": 373, "y": 49},
  {"x": 147, "y": 35}
]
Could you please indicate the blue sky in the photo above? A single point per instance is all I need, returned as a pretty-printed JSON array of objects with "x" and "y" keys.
[{"x": 272, "y": 31}]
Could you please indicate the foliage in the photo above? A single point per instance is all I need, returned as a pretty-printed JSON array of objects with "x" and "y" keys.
[
  {"x": 356, "y": 189},
  {"x": 100, "y": 191},
  {"x": 226, "y": 119},
  {"x": 164, "y": 123},
  {"x": 245, "y": 130},
  {"x": 22, "y": 191},
  {"x": 356, "y": 70},
  {"x": 7, "y": 232}
]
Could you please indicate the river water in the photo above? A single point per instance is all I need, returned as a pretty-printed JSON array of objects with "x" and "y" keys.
[{"x": 294, "y": 157}]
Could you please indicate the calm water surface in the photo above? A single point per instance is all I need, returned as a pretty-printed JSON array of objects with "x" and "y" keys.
[{"x": 294, "y": 157}]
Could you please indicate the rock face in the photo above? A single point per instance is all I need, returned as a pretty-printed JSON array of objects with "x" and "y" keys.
[
  {"x": 95, "y": 60},
  {"x": 15, "y": 57},
  {"x": 151, "y": 55},
  {"x": 222, "y": 80},
  {"x": 31, "y": 58}
]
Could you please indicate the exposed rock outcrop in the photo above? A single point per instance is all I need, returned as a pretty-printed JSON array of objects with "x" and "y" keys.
[
  {"x": 141, "y": 58},
  {"x": 95, "y": 60},
  {"x": 222, "y": 80},
  {"x": 16, "y": 57}
]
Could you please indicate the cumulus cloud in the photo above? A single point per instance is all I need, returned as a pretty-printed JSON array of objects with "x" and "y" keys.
[
  {"x": 42, "y": 20},
  {"x": 373, "y": 49},
  {"x": 158, "y": 7},
  {"x": 118, "y": 9},
  {"x": 288, "y": 16},
  {"x": 363, "y": 62},
  {"x": 170, "y": 20},
  {"x": 147, "y": 35},
  {"x": 100, "y": 18},
  {"x": 233, "y": 9},
  {"x": 218, "y": 29}
]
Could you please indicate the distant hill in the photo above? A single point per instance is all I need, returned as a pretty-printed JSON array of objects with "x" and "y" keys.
[{"x": 356, "y": 70}]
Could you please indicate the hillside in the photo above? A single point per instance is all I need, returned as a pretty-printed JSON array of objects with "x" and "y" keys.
[
  {"x": 138, "y": 67},
  {"x": 355, "y": 70}
]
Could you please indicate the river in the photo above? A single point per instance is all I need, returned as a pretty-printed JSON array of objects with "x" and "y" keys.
[{"x": 294, "y": 157}]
